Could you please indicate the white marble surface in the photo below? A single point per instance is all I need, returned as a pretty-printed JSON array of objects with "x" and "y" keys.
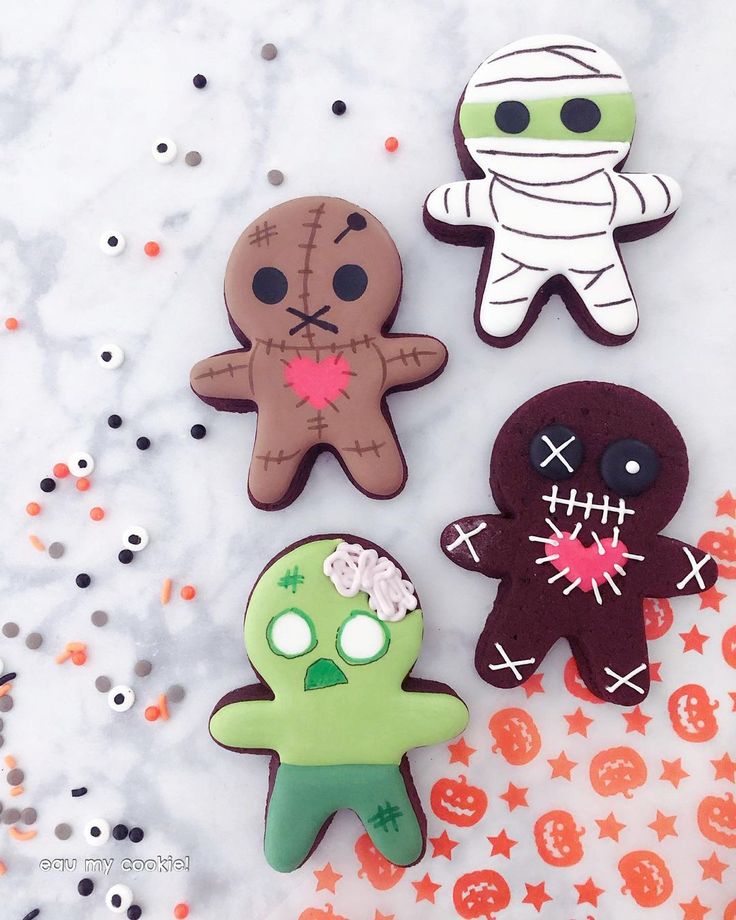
[{"x": 84, "y": 90}]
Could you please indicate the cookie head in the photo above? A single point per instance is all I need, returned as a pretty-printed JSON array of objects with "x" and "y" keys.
[
  {"x": 313, "y": 271},
  {"x": 547, "y": 108},
  {"x": 593, "y": 454},
  {"x": 331, "y": 616}
]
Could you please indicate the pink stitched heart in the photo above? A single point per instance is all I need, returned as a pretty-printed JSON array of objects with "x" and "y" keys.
[
  {"x": 587, "y": 562},
  {"x": 319, "y": 382}
]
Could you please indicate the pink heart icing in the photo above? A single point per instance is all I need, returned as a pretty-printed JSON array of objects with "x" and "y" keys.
[
  {"x": 587, "y": 562},
  {"x": 319, "y": 382}
]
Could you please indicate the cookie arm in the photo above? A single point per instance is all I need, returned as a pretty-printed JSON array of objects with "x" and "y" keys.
[
  {"x": 675, "y": 568},
  {"x": 223, "y": 376},
  {"x": 250, "y": 724},
  {"x": 465, "y": 203},
  {"x": 433, "y": 717},
  {"x": 412, "y": 358},
  {"x": 478, "y": 543},
  {"x": 641, "y": 197}
]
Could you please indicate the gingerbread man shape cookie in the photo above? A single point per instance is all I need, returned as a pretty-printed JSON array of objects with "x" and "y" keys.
[
  {"x": 311, "y": 289},
  {"x": 585, "y": 476},
  {"x": 542, "y": 131},
  {"x": 333, "y": 628}
]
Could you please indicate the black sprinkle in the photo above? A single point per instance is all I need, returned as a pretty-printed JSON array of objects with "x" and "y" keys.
[
  {"x": 134, "y": 912},
  {"x": 125, "y": 556},
  {"x": 197, "y": 432},
  {"x": 85, "y": 887},
  {"x": 339, "y": 107},
  {"x": 48, "y": 484},
  {"x": 6, "y": 678},
  {"x": 199, "y": 80},
  {"x": 120, "y": 832},
  {"x": 83, "y": 580},
  {"x": 33, "y": 914},
  {"x": 143, "y": 443},
  {"x": 114, "y": 421},
  {"x": 79, "y": 792},
  {"x": 135, "y": 834}
]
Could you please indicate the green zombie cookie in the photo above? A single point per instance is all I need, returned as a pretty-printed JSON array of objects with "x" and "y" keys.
[{"x": 333, "y": 628}]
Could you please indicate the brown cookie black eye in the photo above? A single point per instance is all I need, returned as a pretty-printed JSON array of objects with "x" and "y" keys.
[
  {"x": 580, "y": 115},
  {"x": 350, "y": 282},
  {"x": 270, "y": 285},
  {"x": 512, "y": 117},
  {"x": 556, "y": 452},
  {"x": 629, "y": 467}
]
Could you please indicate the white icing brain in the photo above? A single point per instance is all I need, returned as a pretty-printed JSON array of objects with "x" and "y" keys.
[{"x": 352, "y": 568}]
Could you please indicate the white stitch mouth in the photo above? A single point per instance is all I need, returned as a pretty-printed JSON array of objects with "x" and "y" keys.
[{"x": 571, "y": 502}]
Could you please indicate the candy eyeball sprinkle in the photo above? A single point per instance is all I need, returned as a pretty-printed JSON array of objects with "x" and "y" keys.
[
  {"x": 112, "y": 244},
  {"x": 97, "y": 832},
  {"x": 110, "y": 356},
  {"x": 120, "y": 698},
  {"x": 164, "y": 150},
  {"x": 118, "y": 898},
  {"x": 80, "y": 463},
  {"x": 135, "y": 538}
]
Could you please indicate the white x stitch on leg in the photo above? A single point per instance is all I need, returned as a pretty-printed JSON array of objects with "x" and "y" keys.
[
  {"x": 695, "y": 568},
  {"x": 465, "y": 538},
  {"x": 557, "y": 452},
  {"x": 627, "y": 681},
  {"x": 508, "y": 663}
]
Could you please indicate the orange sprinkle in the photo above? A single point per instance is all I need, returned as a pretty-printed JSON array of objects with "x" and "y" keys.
[
  {"x": 181, "y": 911},
  {"x": 79, "y": 658},
  {"x": 166, "y": 591},
  {"x": 61, "y": 470},
  {"x": 97, "y": 514},
  {"x": 152, "y": 713},
  {"x": 21, "y": 835},
  {"x": 3, "y": 868},
  {"x": 11, "y": 324},
  {"x": 163, "y": 705},
  {"x": 60, "y": 659},
  {"x": 6, "y": 688},
  {"x": 83, "y": 484},
  {"x": 76, "y": 647},
  {"x": 391, "y": 144},
  {"x": 152, "y": 248},
  {"x": 188, "y": 592},
  {"x": 36, "y": 543},
  {"x": 10, "y": 762},
  {"x": 17, "y": 790},
  {"x": 33, "y": 508}
]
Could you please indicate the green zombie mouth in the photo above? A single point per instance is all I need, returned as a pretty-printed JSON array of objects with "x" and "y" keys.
[{"x": 323, "y": 673}]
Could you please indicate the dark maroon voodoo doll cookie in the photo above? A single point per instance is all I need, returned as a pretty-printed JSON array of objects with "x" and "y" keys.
[
  {"x": 585, "y": 476},
  {"x": 311, "y": 288}
]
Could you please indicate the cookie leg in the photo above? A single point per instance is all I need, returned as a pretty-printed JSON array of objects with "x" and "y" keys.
[
  {"x": 372, "y": 457},
  {"x": 614, "y": 662},
  {"x": 604, "y": 288},
  {"x": 383, "y": 805},
  {"x": 300, "y": 804},
  {"x": 273, "y": 467},
  {"x": 512, "y": 282}
]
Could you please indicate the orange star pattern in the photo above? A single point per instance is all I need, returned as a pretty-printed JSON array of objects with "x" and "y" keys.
[
  {"x": 609, "y": 827},
  {"x": 533, "y": 685},
  {"x": 664, "y": 826},
  {"x": 636, "y": 721},
  {"x": 502, "y": 844},
  {"x": 733, "y": 700},
  {"x": 536, "y": 896},
  {"x": 654, "y": 667},
  {"x": 561, "y": 766},
  {"x": 327, "y": 878},
  {"x": 426, "y": 889},
  {"x": 694, "y": 910},
  {"x": 515, "y": 796},
  {"x": 672, "y": 772},
  {"x": 726, "y": 504},
  {"x": 711, "y": 599},
  {"x": 694, "y": 640},
  {"x": 713, "y": 868},
  {"x": 380, "y": 916},
  {"x": 589, "y": 892},
  {"x": 725, "y": 768},
  {"x": 577, "y": 723},
  {"x": 460, "y": 752},
  {"x": 442, "y": 845}
]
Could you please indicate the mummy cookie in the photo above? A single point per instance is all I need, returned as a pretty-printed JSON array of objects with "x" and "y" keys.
[
  {"x": 542, "y": 131},
  {"x": 333, "y": 628},
  {"x": 311, "y": 289},
  {"x": 585, "y": 476}
]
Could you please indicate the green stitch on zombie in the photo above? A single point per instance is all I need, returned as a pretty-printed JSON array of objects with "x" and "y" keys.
[
  {"x": 340, "y": 722},
  {"x": 291, "y": 579}
]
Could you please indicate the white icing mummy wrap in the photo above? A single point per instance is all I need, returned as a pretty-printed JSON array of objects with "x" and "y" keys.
[
  {"x": 352, "y": 568},
  {"x": 553, "y": 201}
]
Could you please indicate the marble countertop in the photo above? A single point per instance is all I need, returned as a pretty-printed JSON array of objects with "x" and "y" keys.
[{"x": 84, "y": 90}]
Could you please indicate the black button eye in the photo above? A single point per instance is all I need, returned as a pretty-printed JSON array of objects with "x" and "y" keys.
[
  {"x": 556, "y": 452},
  {"x": 512, "y": 117},
  {"x": 629, "y": 467},
  {"x": 580, "y": 115},
  {"x": 270, "y": 285},
  {"x": 349, "y": 282}
]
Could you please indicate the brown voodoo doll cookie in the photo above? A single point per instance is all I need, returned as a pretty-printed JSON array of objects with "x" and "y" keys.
[{"x": 311, "y": 288}]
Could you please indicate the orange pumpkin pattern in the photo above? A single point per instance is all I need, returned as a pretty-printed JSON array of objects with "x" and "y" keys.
[
  {"x": 658, "y": 617},
  {"x": 558, "y": 838},
  {"x": 575, "y": 684},
  {"x": 717, "y": 819},
  {"x": 691, "y": 713},
  {"x": 317, "y": 913},
  {"x": 480, "y": 894},
  {"x": 616, "y": 771},
  {"x": 516, "y": 735},
  {"x": 646, "y": 878},
  {"x": 728, "y": 646},
  {"x": 374, "y": 866},
  {"x": 722, "y": 547},
  {"x": 458, "y": 803}
]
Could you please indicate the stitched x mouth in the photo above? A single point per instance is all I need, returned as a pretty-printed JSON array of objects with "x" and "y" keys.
[{"x": 308, "y": 319}]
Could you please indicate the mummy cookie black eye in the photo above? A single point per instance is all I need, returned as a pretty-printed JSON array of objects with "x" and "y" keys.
[
  {"x": 270, "y": 285},
  {"x": 111, "y": 356},
  {"x": 112, "y": 244},
  {"x": 629, "y": 467},
  {"x": 119, "y": 898},
  {"x": 512, "y": 117},
  {"x": 80, "y": 464},
  {"x": 164, "y": 150},
  {"x": 556, "y": 452},
  {"x": 580, "y": 115},
  {"x": 349, "y": 282},
  {"x": 120, "y": 698},
  {"x": 135, "y": 538},
  {"x": 97, "y": 832}
]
